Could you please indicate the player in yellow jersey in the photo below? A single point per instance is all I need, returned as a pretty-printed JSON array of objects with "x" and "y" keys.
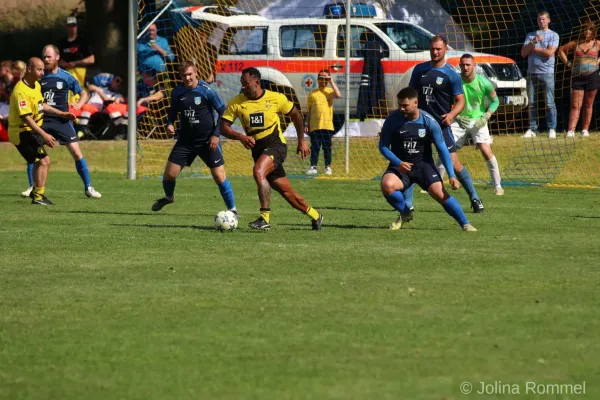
[
  {"x": 258, "y": 110},
  {"x": 25, "y": 116}
]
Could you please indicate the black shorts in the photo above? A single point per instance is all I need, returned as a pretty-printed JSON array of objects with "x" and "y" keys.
[
  {"x": 588, "y": 83},
  {"x": 423, "y": 174},
  {"x": 274, "y": 148},
  {"x": 184, "y": 153},
  {"x": 449, "y": 139},
  {"x": 31, "y": 147},
  {"x": 64, "y": 132}
]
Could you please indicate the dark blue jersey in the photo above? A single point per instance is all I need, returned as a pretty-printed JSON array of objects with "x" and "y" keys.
[
  {"x": 410, "y": 140},
  {"x": 436, "y": 87},
  {"x": 195, "y": 108},
  {"x": 56, "y": 88}
]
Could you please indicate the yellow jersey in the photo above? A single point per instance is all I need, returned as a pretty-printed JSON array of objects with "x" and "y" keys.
[
  {"x": 24, "y": 101},
  {"x": 320, "y": 105},
  {"x": 259, "y": 117}
]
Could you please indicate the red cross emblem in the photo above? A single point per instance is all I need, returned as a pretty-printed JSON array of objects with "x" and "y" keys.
[{"x": 308, "y": 82}]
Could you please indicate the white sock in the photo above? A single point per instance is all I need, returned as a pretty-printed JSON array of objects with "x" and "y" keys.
[
  {"x": 494, "y": 169},
  {"x": 440, "y": 166}
]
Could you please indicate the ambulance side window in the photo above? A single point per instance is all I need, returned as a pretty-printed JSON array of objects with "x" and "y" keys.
[
  {"x": 303, "y": 40},
  {"x": 359, "y": 37}
]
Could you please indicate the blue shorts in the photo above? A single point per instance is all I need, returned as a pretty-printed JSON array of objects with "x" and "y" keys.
[
  {"x": 423, "y": 174},
  {"x": 449, "y": 139},
  {"x": 184, "y": 153},
  {"x": 64, "y": 132}
]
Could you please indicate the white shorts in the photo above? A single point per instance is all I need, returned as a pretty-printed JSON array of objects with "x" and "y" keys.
[{"x": 479, "y": 135}]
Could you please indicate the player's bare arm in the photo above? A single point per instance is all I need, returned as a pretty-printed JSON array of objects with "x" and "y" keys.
[
  {"x": 459, "y": 105},
  {"x": 307, "y": 120},
  {"x": 229, "y": 133},
  {"x": 303, "y": 148},
  {"x": 48, "y": 139},
  {"x": 63, "y": 114},
  {"x": 83, "y": 98},
  {"x": 442, "y": 150}
]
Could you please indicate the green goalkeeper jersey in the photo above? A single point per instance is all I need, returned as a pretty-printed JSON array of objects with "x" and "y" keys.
[{"x": 475, "y": 94}]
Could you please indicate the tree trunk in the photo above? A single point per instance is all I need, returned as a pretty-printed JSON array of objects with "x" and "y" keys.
[{"x": 106, "y": 29}]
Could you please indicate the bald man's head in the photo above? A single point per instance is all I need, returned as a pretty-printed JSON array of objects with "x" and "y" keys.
[
  {"x": 35, "y": 70},
  {"x": 152, "y": 32}
]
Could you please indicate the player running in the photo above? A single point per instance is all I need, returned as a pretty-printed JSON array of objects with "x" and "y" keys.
[
  {"x": 258, "y": 110},
  {"x": 194, "y": 102},
  {"x": 406, "y": 139}
]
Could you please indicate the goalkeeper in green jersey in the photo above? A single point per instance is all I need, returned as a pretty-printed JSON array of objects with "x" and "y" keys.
[{"x": 473, "y": 120}]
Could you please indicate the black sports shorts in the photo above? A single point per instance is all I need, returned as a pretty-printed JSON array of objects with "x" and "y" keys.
[{"x": 423, "y": 174}]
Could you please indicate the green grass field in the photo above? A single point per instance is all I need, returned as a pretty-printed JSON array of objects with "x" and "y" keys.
[{"x": 104, "y": 299}]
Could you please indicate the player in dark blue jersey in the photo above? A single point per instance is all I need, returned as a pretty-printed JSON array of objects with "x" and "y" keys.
[
  {"x": 194, "y": 102},
  {"x": 56, "y": 85},
  {"x": 440, "y": 94},
  {"x": 406, "y": 139}
]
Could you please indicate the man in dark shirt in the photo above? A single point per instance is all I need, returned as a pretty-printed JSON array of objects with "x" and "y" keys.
[{"x": 75, "y": 52}]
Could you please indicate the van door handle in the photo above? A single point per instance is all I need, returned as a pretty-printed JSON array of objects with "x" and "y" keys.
[{"x": 337, "y": 66}]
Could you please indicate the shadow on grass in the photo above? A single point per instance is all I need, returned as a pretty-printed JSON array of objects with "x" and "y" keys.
[
  {"x": 127, "y": 213},
  {"x": 162, "y": 226},
  {"x": 440, "y": 210},
  {"x": 587, "y": 216}
]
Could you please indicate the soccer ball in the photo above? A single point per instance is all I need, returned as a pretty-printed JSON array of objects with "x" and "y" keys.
[{"x": 226, "y": 221}]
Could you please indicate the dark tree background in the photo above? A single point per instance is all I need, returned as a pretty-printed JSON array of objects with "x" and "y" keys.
[{"x": 105, "y": 25}]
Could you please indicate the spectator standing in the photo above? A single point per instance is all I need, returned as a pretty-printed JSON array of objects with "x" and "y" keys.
[
  {"x": 76, "y": 54},
  {"x": 539, "y": 49},
  {"x": 585, "y": 80},
  {"x": 319, "y": 120},
  {"x": 153, "y": 51}
]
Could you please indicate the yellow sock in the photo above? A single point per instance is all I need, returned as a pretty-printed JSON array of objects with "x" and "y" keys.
[
  {"x": 38, "y": 192},
  {"x": 266, "y": 214},
  {"x": 312, "y": 213}
]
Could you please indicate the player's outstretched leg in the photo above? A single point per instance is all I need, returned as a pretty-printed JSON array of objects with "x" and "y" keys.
[
  {"x": 391, "y": 188},
  {"x": 492, "y": 165},
  {"x": 282, "y": 185},
  {"x": 27, "y": 192},
  {"x": 463, "y": 176},
  {"x": 170, "y": 175},
  {"x": 82, "y": 169},
  {"x": 40, "y": 174},
  {"x": 451, "y": 205},
  {"x": 263, "y": 167},
  {"x": 220, "y": 177}
]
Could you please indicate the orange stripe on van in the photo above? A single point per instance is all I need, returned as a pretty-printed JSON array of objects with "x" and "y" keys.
[
  {"x": 310, "y": 66},
  {"x": 356, "y": 66},
  {"x": 483, "y": 59}
]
